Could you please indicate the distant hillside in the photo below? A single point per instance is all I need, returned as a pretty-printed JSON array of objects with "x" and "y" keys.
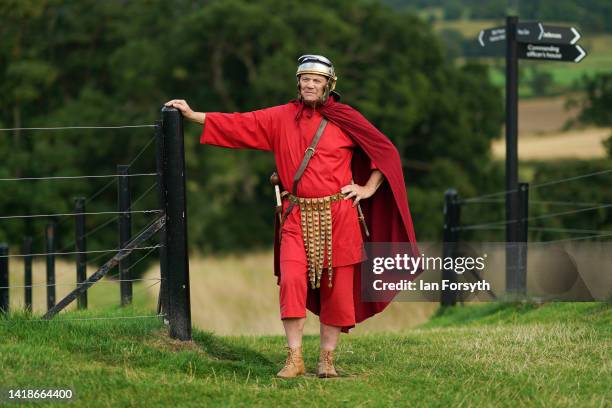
[{"x": 590, "y": 15}]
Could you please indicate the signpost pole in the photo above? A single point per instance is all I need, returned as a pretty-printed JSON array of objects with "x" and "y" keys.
[
  {"x": 536, "y": 41},
  {"x": 512, "y": 207}
]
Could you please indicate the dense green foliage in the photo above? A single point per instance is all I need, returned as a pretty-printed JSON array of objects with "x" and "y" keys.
[
  {"x": 596, "y": 104},
  {"x": 555, "y": 354},
  {"x": 115, "y": 63}
]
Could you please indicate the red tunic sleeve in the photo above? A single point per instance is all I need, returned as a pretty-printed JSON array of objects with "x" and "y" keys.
[
  {"x": 249, "y": 130},
  {"x": 373, "y": 166}
]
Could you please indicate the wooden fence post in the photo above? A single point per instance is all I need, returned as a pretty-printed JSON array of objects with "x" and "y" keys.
[
  {"x": 450, "y": 238},
  {"x": 162, "y": 300},
  {"x": 4, "y": 279},
  {"x": 81, "y": 249},
  {"x": 177, "y": 263},
  {"x": 50, "y": 249},
  {"x": 27, "y": 272},
  {"x": 521, "y": 284},
  {"x": 125, "y": 232}
]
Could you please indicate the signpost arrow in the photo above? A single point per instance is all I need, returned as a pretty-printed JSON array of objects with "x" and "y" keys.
[
  {"x": 492, "y": 35},
  {"x": 531, "y": 32},
  {"x": 535, "y": 32},
  {"x": 551, "y": 52}
]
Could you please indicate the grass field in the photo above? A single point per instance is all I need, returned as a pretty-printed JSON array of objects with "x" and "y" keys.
[
  {"x": 576, "y": 144},
  {"x": 545, "y": 115},
  {"x": 485, "y": 355}
]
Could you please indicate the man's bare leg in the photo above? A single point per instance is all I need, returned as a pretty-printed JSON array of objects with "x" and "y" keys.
[
  {"x": 294, "y": 365},
  {"x": 329, "y": 340},
  {"x": 294, "y": 329},
  {"x": 329, "y": 336}
]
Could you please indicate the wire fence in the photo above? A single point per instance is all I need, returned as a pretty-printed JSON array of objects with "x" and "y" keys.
[
  {"x": 110, "y": 220},
  {"x": 77, "y": 127},
  {"x": 9, "y": 217},
  {"x": 76, "y": 252},
  {"x": 540, "y": 217},
  {"x": 62, "y": 217},
  {"x": 73, "y": 284},
  {"x": 73, "y": 319},
  {"x": 486, "y": 197},
  {"x": 77, "y": 177},
  {"x": 582, "y": 207}
]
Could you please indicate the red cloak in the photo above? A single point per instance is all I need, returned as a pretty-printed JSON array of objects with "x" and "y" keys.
[{"x": 386, "y": 213}]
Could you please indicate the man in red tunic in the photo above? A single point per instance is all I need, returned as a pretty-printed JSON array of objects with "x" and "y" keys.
[{"x": 349, "y": 148}]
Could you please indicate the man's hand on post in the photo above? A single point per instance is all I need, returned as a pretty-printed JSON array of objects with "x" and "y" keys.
[{"x": 188, "y": 113}]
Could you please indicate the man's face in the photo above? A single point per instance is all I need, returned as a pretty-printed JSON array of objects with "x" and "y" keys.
[{"x": 312, "y": 87}]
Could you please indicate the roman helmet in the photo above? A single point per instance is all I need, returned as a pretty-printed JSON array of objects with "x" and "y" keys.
[{"x": 317, "y": 64}]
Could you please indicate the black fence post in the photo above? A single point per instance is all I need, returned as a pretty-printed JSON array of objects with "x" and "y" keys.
[
  {"x": 162, "y": 299},
  {"x": 125, "y": 232},
  {"x": 177, "y": 263},
  {"x": 4, "y": 279},
  {"x": 521, "y": 283},
  {"x": 81, "y": 249},
  {"x": 451, "y": 236},
  {"x": 50, "y": 245},
  {"x": 27, "y": 272}
]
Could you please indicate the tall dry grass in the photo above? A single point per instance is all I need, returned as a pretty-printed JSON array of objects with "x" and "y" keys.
[
  {"x": 234, "y": 295},
  {"x": 103, "y": 293},
  {"x": 238, "y": 295}
]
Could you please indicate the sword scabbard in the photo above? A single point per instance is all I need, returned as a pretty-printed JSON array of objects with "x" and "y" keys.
[{"x": 362, "y": 219}]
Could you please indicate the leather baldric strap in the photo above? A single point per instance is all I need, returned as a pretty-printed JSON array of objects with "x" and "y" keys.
[{"x": 307, "y": 156}]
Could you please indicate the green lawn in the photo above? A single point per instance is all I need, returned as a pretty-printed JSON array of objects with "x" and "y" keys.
[{"x": 486, "y": 355}]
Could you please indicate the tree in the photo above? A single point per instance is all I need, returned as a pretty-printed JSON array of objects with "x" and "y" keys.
[
  {"x": 596, "y": 105},
  {"x": 115, "y": 62}
]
